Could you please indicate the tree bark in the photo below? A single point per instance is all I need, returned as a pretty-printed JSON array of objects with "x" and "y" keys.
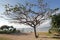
[{"x": 35, "y": 32}]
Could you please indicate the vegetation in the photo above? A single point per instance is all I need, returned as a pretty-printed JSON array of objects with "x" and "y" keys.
[
  {"x": 7, "y": 29},
  {"x": 24, "y": 14},
  {"x": 55, "y": 23},
  {"x": 44, "y": 33}
]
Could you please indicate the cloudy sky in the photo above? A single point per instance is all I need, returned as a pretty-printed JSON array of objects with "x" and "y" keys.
[{"x": 52, "y": 4}]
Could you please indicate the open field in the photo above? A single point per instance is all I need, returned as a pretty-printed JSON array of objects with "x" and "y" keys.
[{"x": 27, "y": 36}]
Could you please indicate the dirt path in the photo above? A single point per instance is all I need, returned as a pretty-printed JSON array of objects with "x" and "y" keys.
[{"x": 29, "y": 36}]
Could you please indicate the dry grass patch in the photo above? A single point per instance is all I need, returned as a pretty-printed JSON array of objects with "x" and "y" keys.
[
  {"x": 3, "y": 38},
  {"x": 44, "y": 33}
]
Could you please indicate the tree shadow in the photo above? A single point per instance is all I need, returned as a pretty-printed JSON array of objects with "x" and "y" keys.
[
  {"x": 18, "y": 34},
  {"x": 57, "y": 37}
]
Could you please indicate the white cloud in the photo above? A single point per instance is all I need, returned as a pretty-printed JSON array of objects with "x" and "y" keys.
[
  {"x": 45, "y": 24},
  {"x": 5, "y": 22}
]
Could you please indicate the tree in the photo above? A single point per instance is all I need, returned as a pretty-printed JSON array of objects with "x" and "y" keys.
[
  {"x": 24, "y": 14},
  {"x": 55, "y": 23},
  {"x": 4, "y": 26},
  {"x": 7, "y": 29}
]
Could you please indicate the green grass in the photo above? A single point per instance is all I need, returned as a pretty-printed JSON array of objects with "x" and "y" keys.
[{"x": 3, "y": 38}]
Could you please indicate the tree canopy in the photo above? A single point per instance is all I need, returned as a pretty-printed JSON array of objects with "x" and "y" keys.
[
  {"x": 24, "y": 14},
  {"x": 55, "y": 23}
]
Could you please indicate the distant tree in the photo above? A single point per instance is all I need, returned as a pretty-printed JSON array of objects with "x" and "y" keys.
[
  {"x": 11, "y": 27},
  {"x": 7, "y": 29},
  {"x": 14, "y": 30},
  {"x": 24, "y": 14},
  {"x": 4, "y": 27},
  {"x": 55, "y": 23}
]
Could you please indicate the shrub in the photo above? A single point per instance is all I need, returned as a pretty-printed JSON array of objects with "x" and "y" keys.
[
  {"x": 7, "y": 29},
  {"x": 55, "y": 23}
]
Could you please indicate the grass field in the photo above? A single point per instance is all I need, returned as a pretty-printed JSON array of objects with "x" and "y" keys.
[
  {"x": 27, "y": 36},
  {"x": 3, "y": 38}
]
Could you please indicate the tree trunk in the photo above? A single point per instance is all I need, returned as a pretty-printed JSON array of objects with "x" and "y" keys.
[{"x": 35, "y": 32}]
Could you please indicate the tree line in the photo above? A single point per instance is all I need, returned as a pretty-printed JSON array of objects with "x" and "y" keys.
[{"x": 5, "y": 29}]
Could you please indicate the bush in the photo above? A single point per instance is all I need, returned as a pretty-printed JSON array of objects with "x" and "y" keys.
[
  {"x": 18, "y": 31},
  {"x": 55, "y": 24},
  {"x": 8, "y": 29}
]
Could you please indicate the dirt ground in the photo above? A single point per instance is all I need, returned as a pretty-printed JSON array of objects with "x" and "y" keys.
[{"x": 26, "y": 36}]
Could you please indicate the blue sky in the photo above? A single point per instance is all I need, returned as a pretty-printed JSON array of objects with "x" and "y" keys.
[
  {"x": 51, "y": 4},
  {"x": 54, "y": 3}
]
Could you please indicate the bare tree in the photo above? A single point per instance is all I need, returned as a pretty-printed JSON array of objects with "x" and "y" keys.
[{"x": 25, "y": 15}]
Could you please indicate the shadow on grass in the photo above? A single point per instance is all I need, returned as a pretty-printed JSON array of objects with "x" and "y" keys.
[
  {"x": 18, "y": 34},
  {"x": 57, "y": 37}
]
